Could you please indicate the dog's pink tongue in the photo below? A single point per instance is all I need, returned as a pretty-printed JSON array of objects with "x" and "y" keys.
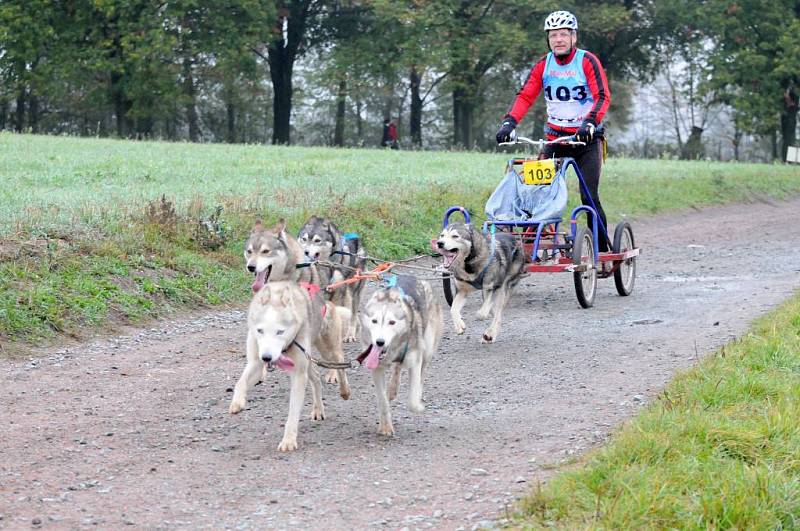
[
  {"x": 284, "y": 363},
  {"x": 260, "y": 280},
  {"x": 373, "y": 358}
]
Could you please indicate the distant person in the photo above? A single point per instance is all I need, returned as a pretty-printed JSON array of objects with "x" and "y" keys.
[
  {"x": 389, "y": 138},
  {"x": 393, "y": 136},
  {"x": 577, "y": 97}
]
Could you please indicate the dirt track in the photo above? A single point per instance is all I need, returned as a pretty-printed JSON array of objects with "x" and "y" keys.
[{"x": 135, "y": 429}]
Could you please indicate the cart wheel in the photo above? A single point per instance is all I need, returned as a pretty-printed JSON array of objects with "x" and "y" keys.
[
  {"x": 625, "y": 275},
  {"x": 585, "y": 281},
  {"x": 450, "y": 289}
]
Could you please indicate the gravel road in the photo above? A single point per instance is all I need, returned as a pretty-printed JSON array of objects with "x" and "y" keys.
[{"x": 134, "y": 429}]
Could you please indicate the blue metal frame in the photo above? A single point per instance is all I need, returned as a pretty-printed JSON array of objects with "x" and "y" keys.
[{"x": 591, "y": 210}]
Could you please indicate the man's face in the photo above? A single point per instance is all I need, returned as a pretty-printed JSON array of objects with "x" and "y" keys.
[{"x": 561, "y": 40}]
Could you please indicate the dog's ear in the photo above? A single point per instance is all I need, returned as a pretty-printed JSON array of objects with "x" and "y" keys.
[
  {"x": 280, "y": 227},
  {"x": 380, "y": 295},
  {"x": 257, "y": 226}
]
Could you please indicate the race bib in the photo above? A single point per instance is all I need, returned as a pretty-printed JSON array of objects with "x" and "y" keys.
[{"x": 538, "y": 172}]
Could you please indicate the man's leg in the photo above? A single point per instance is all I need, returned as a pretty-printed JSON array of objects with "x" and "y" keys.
[{"x": 590, "y": 161}]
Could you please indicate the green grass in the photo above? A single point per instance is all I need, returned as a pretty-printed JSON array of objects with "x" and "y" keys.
[
  {"x": 91, "y": 255},
  {"x": 719, "y": 449}
]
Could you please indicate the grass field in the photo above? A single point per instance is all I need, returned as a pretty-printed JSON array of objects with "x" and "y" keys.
[
  {"x": 719, "y": 449},
  {"x": 85, "y": 240}
]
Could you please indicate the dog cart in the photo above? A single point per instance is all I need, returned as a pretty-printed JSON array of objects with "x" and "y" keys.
[{"x": 534, "y": 194}]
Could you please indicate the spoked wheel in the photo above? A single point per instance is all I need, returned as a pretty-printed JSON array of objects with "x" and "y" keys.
[
  {"x": 583, "y": 254},
  {"x": 450, "y": 289},
  {"x": 625, "y": 275}
]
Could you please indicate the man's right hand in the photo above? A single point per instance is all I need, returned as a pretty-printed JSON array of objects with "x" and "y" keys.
[{"x": 507, "y": 127}]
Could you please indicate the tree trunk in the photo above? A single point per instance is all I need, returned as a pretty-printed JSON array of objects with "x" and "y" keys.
[
  {"x": 415, "y": 111},
  {"x": 282, "y": 101},
  {"x": 693, "y": 148},
  {"x": 19, "y": 122},
  {"x": 289, "y": 32},
  {"x": 341, "y": 99},
  {"x": 3, "y": 114},
  {"x": 33, "y": 113},
  {"x": 359, "y": 123},
  {"x": 117, "y": 89},
  {"x": 190, "y": 92},
  {"x": 463, "y": 110},
  {"x": 231, "y": 119},
  {"x": 788, "y": 120}
]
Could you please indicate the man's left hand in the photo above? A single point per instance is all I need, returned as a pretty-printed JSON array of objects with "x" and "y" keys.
[{"x": 585, "y": 132}]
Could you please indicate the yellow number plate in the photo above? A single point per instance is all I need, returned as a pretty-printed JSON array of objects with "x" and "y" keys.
[{"x": 538, "y": 171}]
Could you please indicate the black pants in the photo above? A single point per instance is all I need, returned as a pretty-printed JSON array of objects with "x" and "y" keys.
[{"x": 590, "y": 161}]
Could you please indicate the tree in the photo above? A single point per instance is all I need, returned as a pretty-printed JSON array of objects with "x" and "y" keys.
[{"x": 756, "y": 60}]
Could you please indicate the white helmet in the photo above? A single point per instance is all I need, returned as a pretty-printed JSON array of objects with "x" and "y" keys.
[{"x": 560, "y": 19}]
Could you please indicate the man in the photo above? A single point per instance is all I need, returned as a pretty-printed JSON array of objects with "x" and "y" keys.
[{"x": 577, "y": 96}]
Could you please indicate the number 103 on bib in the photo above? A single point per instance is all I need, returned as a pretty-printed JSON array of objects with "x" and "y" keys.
[{"x": 538, "y": 171}]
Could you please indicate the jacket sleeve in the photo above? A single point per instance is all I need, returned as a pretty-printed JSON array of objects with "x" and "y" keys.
[
  {"x": 528, "y": 93},
  {"x": 598, "y": 86}
]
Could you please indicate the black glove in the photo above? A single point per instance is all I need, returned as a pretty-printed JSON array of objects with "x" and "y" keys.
[
  {"x": 507, "y": 127},
  {"x": 585, "y": 132}
]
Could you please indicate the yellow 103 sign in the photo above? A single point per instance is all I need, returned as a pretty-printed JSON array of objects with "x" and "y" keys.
[{"x": 538, "y": 172}]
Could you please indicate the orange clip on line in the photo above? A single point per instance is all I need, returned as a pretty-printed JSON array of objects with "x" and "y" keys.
[{"x": 359, "y": 276}]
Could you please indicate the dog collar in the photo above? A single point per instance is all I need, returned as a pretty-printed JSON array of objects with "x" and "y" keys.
[{"x": 295, "y": 344}]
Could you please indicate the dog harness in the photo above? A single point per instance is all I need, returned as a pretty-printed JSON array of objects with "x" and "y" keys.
[
  {"x": 477, "y": 283},
  {"x": 313, "y": 290}
]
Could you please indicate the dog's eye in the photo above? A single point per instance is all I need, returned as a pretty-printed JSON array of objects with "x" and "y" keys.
[
  {"x": 279, "y": 332},
  {"x": 249, "y": 251},
  {"x": 317, "y": 240},
  {"x": 392, "y": 323},
  {"x": 260, "y": 330},
  {"x": 375, "y": 321},
  {"x": 455, "y": 236},
  {"x": 266, "y": 251}
]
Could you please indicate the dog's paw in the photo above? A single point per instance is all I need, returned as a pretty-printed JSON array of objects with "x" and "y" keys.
[
  {"x": 344, "y": 393},
  {"x": 488, "y": 337},
  {"x": 331, "y": 377},
  {"x": 318, "y": 414},
  {"x": 287, "y": 445},
  {"x": 236, "y": 406},
  {"x": 460, "y": 326},
  {"x": 350, "y": 338},
  {"x": 416, "y": 407},
  {"x": 386, "y": 429},
  {"x": 391, "y": 393}
]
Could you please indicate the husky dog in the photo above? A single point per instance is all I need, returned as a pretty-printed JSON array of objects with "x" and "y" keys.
[
  {"x": 401, "y": 328},
  {"x": 285, "y": 318},
  {"x": 273, "y": 254},
  {"x": 320, "y": 239},
  {"x": 493, "y": 264}
]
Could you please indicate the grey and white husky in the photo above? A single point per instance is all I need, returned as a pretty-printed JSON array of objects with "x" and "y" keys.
[
  {"x": 478, "y": 263},
  {"x": 320, "y": 239},
  {"x": 272, "y": 254},
  {"x": 284, "y": 320},
  {"x": 401, "y": 329}
]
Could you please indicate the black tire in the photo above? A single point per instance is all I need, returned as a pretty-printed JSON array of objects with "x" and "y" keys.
[
  {"x": 450, "y": 289},
  {"x": 585, "y": 281},
  {"x": 625, "y": 274}
]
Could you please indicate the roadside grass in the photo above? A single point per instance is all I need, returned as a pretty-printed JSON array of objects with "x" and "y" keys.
[
  {"x": 718, "y": 449},
  {"x": 83, "y": 243}
]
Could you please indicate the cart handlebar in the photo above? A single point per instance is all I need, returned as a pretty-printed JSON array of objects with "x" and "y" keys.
[{"x": 568, "y": 140}]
